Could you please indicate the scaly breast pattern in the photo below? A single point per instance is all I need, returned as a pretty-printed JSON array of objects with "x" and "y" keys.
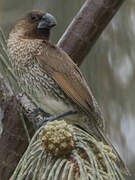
[{"x": 43, "y": 90}]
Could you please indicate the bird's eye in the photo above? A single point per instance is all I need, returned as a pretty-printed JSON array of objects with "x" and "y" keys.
[{"x": 35, "y": 17}]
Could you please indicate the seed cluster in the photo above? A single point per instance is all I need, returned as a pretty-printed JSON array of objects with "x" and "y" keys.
[{"x": 57, "y": 138}]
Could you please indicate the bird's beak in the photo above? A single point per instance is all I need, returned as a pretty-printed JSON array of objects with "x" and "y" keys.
[{"x": 47, "y": 22}]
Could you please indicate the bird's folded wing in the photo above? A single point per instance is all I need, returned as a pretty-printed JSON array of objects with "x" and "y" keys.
[{"x": 65, "y": 72}]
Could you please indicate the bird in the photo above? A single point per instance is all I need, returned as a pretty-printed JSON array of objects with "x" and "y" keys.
[{"x": 48, "y": 75}]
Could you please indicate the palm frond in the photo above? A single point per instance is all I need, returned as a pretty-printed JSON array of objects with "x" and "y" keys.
[{"x": 47, "y": 158}]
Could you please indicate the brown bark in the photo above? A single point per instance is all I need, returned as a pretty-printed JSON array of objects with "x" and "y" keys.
[
  {"x": 87, "y": 26},
  {"x": 13, "y": 140},
  {"x": 76, "y": 41}
]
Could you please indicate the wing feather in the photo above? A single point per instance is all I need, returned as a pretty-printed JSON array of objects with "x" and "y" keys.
[{"x": 66, "y": 73}]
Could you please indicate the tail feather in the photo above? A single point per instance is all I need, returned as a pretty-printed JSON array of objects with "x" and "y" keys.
[{"x": 120, "y": 162}]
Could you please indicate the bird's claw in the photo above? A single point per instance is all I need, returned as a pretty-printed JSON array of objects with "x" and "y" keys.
[{"x": 55, "y": 117}]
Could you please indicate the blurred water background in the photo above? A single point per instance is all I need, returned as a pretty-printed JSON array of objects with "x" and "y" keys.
[{"x": 109, "y": 67}]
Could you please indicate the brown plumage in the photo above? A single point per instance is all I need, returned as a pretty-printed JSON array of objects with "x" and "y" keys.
[{"x": 50, "y": 77}]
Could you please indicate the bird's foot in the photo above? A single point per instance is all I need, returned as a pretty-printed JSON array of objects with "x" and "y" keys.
[
  {"x": 37, "y": 114},
  {"x": 38, "y": 111},
  {"x": 55, "y": 117}
]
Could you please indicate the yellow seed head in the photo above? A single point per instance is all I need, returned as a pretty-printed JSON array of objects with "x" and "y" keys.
[{"x": 57, "y": 138}]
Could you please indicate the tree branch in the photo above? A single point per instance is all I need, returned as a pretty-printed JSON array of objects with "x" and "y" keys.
[
  {"x": 87, "y": 26},
  {"x": 13, "y": 141}
]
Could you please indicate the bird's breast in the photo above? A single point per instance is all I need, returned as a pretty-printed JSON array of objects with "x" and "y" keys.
[
  {"x": 49, "y": 103},
  {"x": 44, "y": 91}
]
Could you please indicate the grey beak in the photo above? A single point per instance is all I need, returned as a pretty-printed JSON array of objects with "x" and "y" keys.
[{"x": 47, "y": 22}]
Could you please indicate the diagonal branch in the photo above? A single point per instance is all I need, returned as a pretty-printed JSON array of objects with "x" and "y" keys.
[{"x": 87, "y": 26}]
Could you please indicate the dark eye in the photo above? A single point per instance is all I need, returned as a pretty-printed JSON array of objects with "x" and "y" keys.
[{"x": 35, "y": 17}]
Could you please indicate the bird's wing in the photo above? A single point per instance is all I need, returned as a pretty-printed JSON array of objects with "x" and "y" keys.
[{"x": 66, "y": 73}]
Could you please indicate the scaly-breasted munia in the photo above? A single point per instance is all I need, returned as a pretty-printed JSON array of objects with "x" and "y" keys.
[{"x": 49, "y": 75}]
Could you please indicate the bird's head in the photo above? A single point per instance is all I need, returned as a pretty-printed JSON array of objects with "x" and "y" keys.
[{"x": 35, "y": 25}]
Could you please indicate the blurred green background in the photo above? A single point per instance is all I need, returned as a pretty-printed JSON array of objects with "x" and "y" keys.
[{"x": 109, "y": 67}]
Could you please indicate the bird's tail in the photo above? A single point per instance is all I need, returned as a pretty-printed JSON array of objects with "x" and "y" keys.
[{"x": 120, "y": 162}]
